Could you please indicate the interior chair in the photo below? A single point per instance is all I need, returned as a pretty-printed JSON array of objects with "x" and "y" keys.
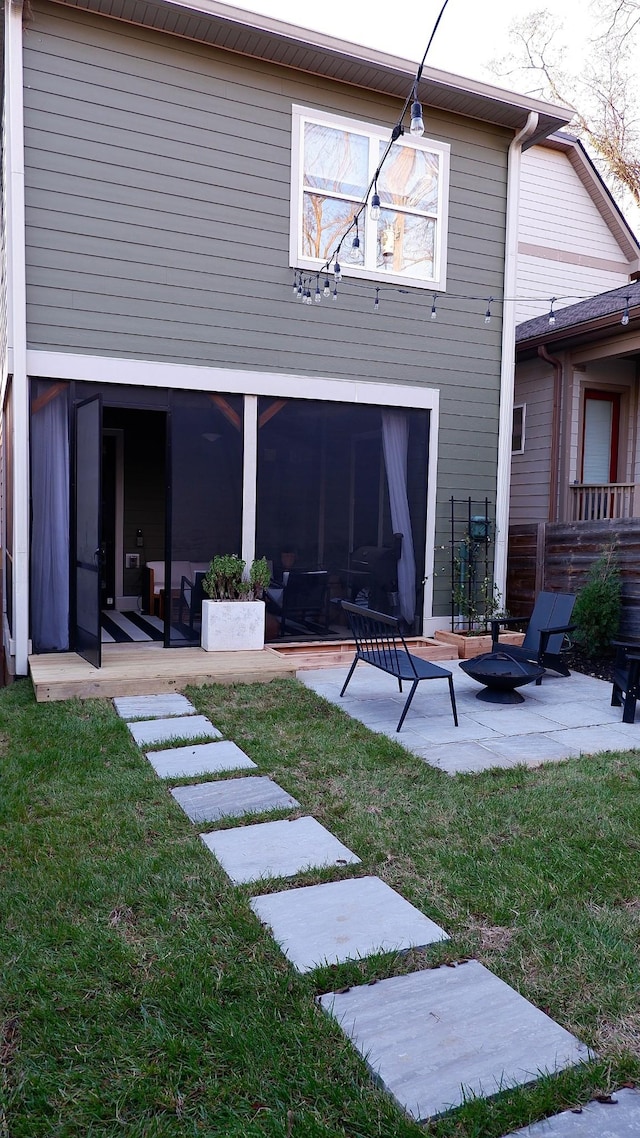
[
  {"x": 626, "y": 678},
  {"x": 191, "y": 597},
  {"x": 546, "y": 629},
  {"x": 304, "y": 600}
]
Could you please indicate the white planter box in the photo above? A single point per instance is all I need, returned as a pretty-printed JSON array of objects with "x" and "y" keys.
[{"x": 229, "y": 626}]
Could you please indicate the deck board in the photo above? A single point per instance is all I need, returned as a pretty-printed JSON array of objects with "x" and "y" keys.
[
  {"x": 144, "y": 669},
  {"x": 149, "y": 668}
]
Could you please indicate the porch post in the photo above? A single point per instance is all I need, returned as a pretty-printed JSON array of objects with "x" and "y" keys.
[
  {"x": 249, "y": 477},
  {"x": 17, "y": 330}
]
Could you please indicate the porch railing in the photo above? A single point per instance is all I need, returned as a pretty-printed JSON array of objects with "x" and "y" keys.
[{"x": 593, "y": 503}]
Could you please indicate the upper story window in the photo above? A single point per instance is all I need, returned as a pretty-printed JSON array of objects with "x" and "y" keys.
[{"x": 333, "y": 161}]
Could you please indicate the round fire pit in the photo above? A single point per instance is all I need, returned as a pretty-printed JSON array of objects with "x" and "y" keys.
[{"x": 501, "y": 675}]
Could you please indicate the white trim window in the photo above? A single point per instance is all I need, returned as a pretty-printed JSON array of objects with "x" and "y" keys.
[{"x": 333, "y": 162}]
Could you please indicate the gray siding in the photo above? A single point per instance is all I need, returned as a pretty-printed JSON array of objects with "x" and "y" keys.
[
  {"x": 531, "y": 471},
  {"x": 157, "y": 188}
]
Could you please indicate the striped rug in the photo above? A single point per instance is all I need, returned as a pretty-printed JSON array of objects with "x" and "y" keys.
[{"x": 129, "y": 627}]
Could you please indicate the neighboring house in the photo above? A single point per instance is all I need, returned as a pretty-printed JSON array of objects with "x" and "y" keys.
[
  {"x": 573, "y": 241},
  {"x": 164, "y": 394},
  {"x": 576, "y": 444}
]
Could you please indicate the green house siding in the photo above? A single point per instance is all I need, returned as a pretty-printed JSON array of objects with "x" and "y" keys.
[{"x": 157, "y": 197}]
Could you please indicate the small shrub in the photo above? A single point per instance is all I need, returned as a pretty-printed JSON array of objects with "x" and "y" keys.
[
  {"x": 597, "y": 609},
  {"x": 226, "y": 580},
  {"x": 259, "y": 576}
]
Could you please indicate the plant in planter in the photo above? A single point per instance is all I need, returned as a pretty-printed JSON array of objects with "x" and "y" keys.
[
  {"x": 233, "y": 619},
  {"x": 476, "y": 600}
]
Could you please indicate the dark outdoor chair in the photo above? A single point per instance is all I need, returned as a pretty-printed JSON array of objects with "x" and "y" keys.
[
  {"x": 545, "y": 635},
  {"x": 626, "y": 678},
  {"x": 304, "y": 600},
  {"x": 191, "y": 597},
  {"x": 379, "y": 642}
]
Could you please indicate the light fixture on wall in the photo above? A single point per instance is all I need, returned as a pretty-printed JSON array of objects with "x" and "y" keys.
[{"x": 139, "y": 538}]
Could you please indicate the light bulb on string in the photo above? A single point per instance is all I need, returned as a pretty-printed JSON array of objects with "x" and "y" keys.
[
  {"x": 625, "y": 314},
  {"x": 295, "y": 287},
  {"x": 335, "y": 292},
  {"x": 337, "y": 271},
  {"x": 376, "y": 303},
  {"x": 300, "y": 289},
  {"x": 374, "y": 212},
  {"x": 327, "y": 287},
  {"x": 417, "y": 122},
  {"x": 487, "y": 315},
  {"x": 308, "y": 297},
  {"x": 552, "y": 315},
  {"x": 318, "y": 295},
  {"x": 434, "y": 314}
]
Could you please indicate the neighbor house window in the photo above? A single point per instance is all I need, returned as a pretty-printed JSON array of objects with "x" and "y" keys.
[
  {"x": 334, "y": 161},
  {"x": 517, "y": 433}
]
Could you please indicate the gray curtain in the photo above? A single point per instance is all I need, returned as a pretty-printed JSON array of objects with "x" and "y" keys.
[
  {"x": 50, "y": 519},
  {"x": 395, "y": 442}
]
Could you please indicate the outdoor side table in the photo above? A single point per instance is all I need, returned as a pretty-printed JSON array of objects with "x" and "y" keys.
[{"x": 501, "y": 675}]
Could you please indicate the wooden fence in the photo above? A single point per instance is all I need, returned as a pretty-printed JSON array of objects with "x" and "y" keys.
[{"x": 557, "y": 556}]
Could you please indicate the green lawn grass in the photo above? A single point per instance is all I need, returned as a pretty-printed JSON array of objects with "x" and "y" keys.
[{"x": 141, "y": 997}]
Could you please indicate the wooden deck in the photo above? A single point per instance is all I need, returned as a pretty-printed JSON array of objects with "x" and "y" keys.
[{"x": 144, "y": 669}]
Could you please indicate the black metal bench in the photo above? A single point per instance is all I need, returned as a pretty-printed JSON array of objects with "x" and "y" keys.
[{"x": 379, "y": 642}]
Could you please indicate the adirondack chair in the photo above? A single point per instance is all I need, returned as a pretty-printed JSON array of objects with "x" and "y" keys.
[
  {"x": 626, "y": 678},
  {"x": 545, "y": 634}
]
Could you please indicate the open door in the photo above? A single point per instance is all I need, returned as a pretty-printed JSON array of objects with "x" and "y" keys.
[{"x": 88, "y": 502}]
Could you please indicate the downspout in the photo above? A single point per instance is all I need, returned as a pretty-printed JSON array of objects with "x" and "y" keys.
[
  {"x": 503, "y": 481},
  {"x": 554, "y": 458},
  {"x": 17, "y": 330}
]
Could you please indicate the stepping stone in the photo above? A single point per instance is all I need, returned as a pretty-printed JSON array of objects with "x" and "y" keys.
[
  {"x": 439, "y": 1035},
  {"x": 204, "y": 758},
  {"x": 276, "y": 849},
  {"x": 233, "y": 797},
  {"x": 153, "y": 706},
  {"x": 620, "y": 1119},
  {"x": 343, "y": 920},
  {"x": 150, "y": 731}
]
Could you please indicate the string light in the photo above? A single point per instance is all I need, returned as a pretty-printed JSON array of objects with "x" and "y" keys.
[
  {"x": 355, "y": 244},
  {"x": 374, "y": 212},
  {"x": 337, "y": 271},
  {"x": 302, "y": 290},
  {"x": 417, "y": 122}
]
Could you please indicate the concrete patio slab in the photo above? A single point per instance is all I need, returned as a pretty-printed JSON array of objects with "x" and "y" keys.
[
  {"x": 343, "y": 920},
  {"x": 617, "y": 1119},
  {"x": 231, "y": 798},
  {"x": 202, "y": 758},
  {"x": 589, "y": 740},
  {"x": 276, "y": 849},
  {"x": 153, "y": 706},
  {"x": 147, "y": 732},
  {"x": 549, "y": 726},
  {"x": 434, "y": 1036}
]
